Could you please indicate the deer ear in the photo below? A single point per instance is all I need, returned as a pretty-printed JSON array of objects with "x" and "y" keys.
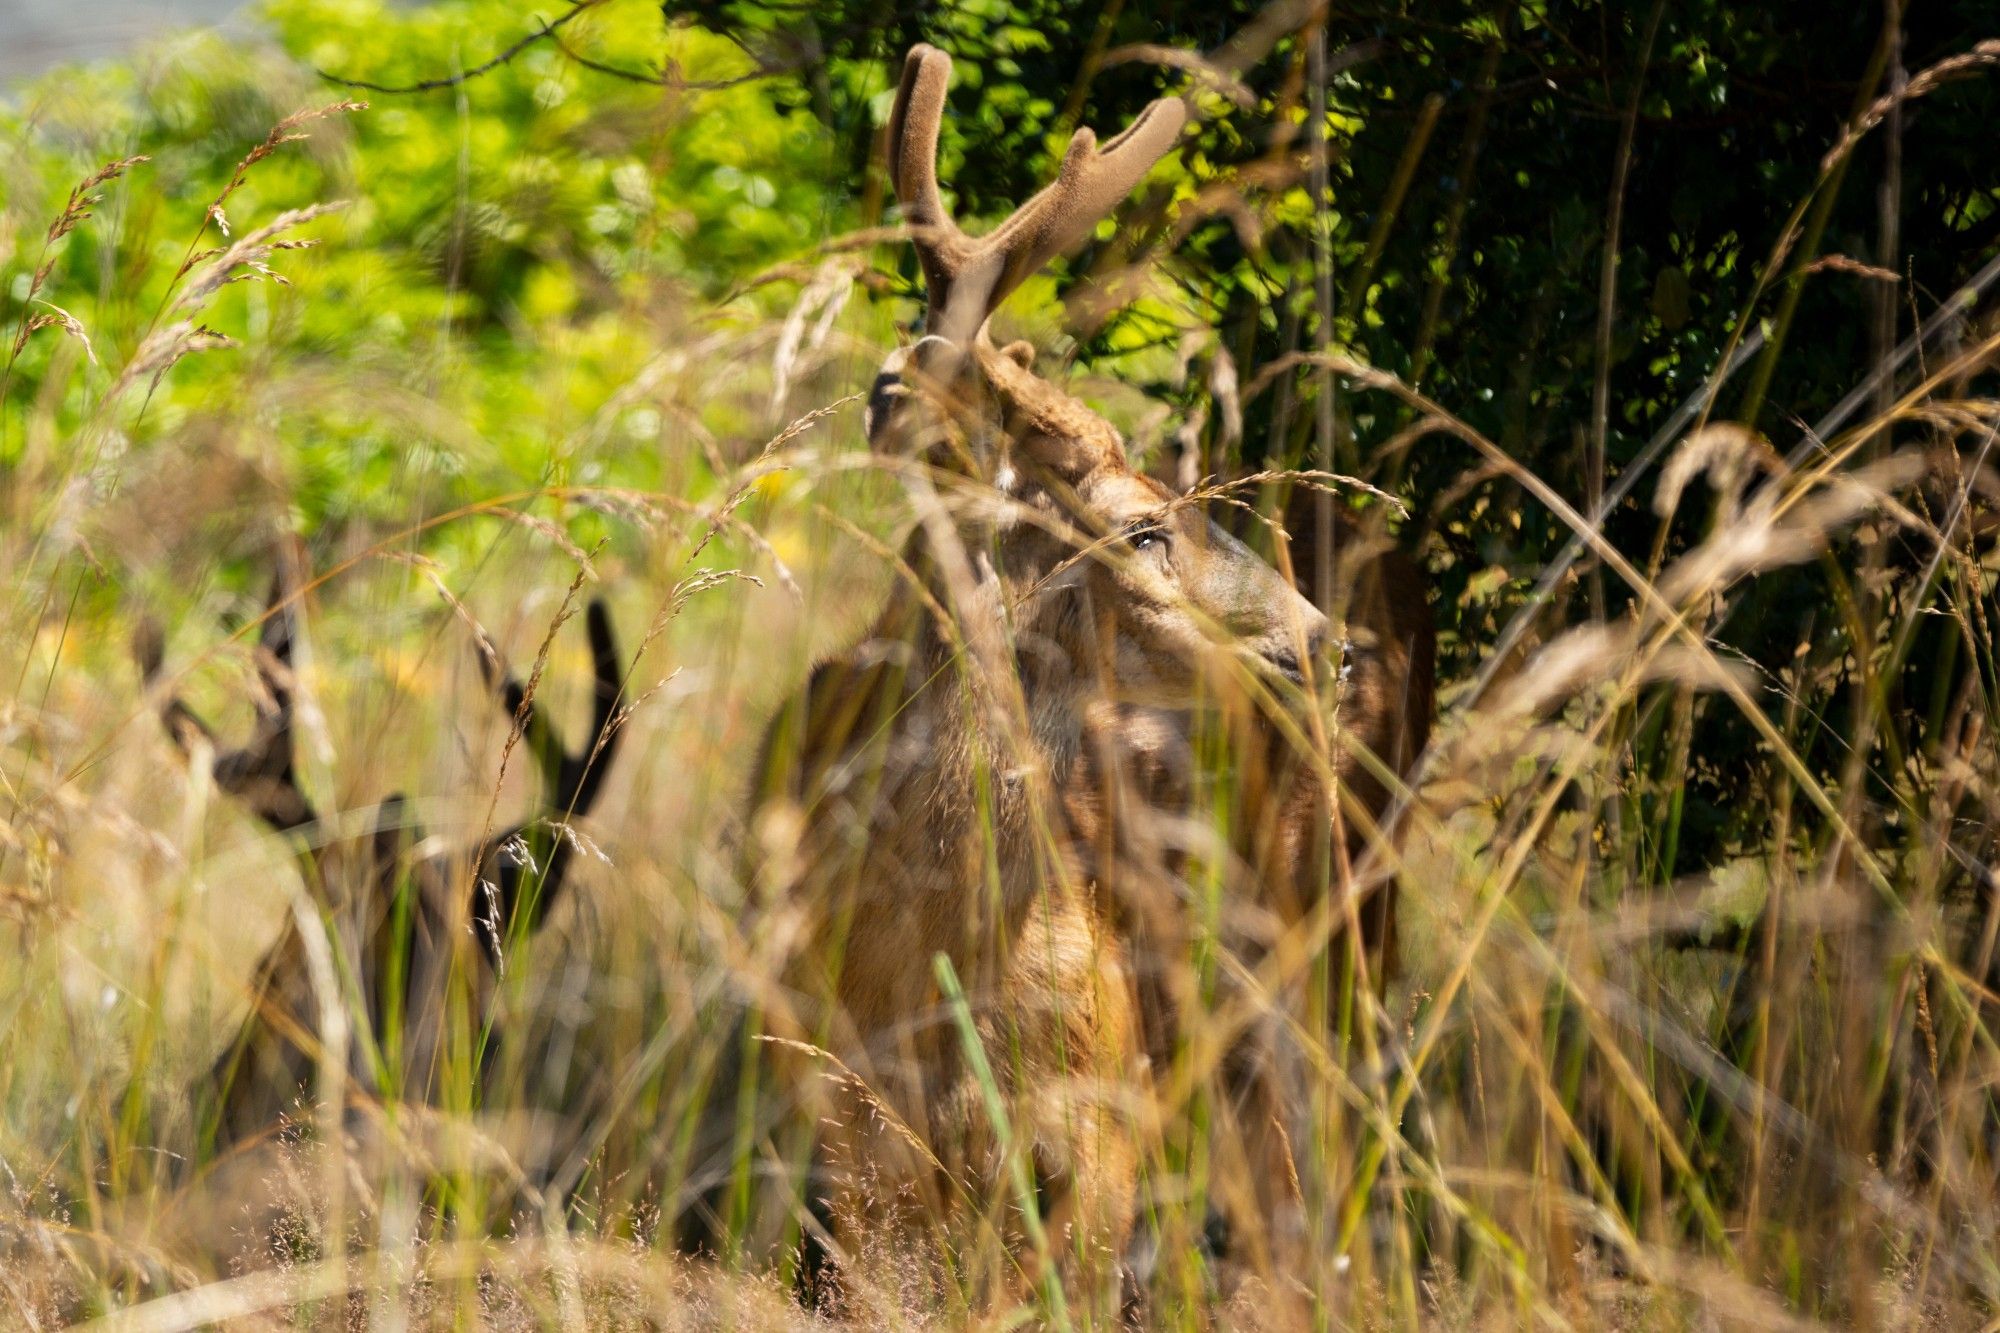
[
  {"x": 893, "y": 421},
  {"x": 883, "y": 398}
]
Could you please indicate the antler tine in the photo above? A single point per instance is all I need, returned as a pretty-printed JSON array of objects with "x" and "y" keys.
[
  {"x": 583, "y": 772},
  {"x": 913, "y": 156},
  {"x": 573, "y": 776},
  {"x": 965, "y": 279},
  {"x": 1089, "y": 185},
  {"x": 508, "y": 862},
  {"x": 261, "y": 773},
  {"x": 913, "y": 144}
]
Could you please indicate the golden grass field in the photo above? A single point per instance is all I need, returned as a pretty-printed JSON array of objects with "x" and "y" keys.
[{"x": 1591, "y": 1095}]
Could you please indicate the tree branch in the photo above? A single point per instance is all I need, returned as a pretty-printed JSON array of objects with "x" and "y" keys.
[{"x": 546, "y": 31}]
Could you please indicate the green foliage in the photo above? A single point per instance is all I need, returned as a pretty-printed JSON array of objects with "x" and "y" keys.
[{"x": 500, "y": 271}]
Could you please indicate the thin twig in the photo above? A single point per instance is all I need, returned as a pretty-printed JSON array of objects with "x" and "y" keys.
[{"x": 547, "y": 31}]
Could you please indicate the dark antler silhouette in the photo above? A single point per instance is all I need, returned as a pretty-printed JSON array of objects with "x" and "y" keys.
[
  {"x": 399, "y": 913},
  {"x": 573, "y": 779},
  {"x": 261, "y": 774}
]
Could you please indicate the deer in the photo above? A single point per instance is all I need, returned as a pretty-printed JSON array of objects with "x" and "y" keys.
[
  {"x": 908, "y": 805},
  {"x": 408, "y": 920}
]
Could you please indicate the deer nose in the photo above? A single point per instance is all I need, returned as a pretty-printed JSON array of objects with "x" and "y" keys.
[
  {"x": 1316, "y": 638},
  {"x": 1283, "y": 651}
]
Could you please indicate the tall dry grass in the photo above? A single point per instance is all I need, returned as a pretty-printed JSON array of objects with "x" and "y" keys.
[{"x": 1591, "y": 1095}]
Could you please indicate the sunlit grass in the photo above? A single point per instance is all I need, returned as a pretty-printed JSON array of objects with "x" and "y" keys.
[{"x": 1588, "y": 1095}]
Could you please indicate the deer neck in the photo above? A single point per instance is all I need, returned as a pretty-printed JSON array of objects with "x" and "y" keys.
[{"x": 1010, "y": 678}]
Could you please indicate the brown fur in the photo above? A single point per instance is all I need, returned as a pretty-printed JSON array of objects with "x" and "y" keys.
[
  {"x": 921, "y": 772},
  {"x": 1380, "y": 721},
  {"x": 926, "y": 778}
]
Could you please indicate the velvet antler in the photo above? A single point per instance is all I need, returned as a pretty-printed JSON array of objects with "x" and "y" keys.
[{"x": 965, "y": 278}]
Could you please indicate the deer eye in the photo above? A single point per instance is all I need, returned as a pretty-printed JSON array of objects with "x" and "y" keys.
[{"x": 1147, "y": 535}]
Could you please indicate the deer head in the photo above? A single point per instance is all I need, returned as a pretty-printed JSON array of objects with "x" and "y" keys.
[{"x": 1166, "y": 585}]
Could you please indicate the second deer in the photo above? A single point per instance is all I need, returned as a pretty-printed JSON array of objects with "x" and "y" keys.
[{"x": 408, "y": 928}]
